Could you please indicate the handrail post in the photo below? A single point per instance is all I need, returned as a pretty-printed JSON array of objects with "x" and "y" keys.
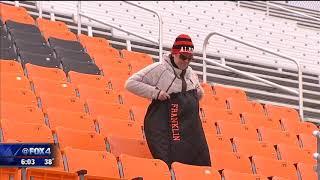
[
  {"x": 79, "y": 17},
  {"x": 160, "y": 40},
  {"x": 299, "y": 93},
  {"x": 267, "y": 8}
]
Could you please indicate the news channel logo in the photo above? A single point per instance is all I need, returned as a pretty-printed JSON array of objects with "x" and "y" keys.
[{"x": 36, "y": 151}]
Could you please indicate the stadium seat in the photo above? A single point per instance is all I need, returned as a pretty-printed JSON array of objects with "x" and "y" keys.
[
  {"x": 11, "y": 67},
  {"x": 39, "y": 60},
  {"x": 54, "y": 33},
  {"x": 306, "y": 171},
  {"x": 100, "y": 54},
  {"x": 240, "y": 106},
  {"x": 230, "y": 129},
  {"x": 273, "y": 136},
  {"x": 130, "y": 146},
  {"x": 119, "y": 128},
  {"x": 190, "y": 172},
  {"x": 142, "y": 167},
  {"x": 213, "y": 115},
  {"x": 298, "y": 127},
  {"x": 219, "y": 143},
  {"x": 98, "y": 94},
  {"x": 136, "y": 57},
  {"x": 207, "y": 88},
  {"x": 308, "y": 142},
  {"x": 131, "y": 99},
  {"x": 108, "y": 110},
  {"x": 14, "y": 80},
  {"x": 9, "y": 173},
  {"x": 117, "y": 83},
  {"x": 22, "y": 27},
  {"x": 61, "y": 102},
  {"x": 48, "y": 173},
  {"x": 254, "y": 147},
  {"x": 210, "y": 100},
  {"x": 64, "y": 44},
  {"x": 227, "y": 92},
  {"x": 27, "y": 36},
  {"x": 279, "y": 112},
  {"x": 44, "y": 24},
  {"x": 81, "y": 67},
  {"x": 7, "y": 53},
  {"x": 21, "y": 18},
  {"x": 70, "y": 119},
  {"x": 21, "y": 113},
  {"x": 94, "y": 81},
  {"x": 18, "y": 96},
  {"x": 35, "y": 71},
  {"x": 97, "y": 163},
  {"x": 34, "y": 48},
  {"x": 271, "y": 167},
  {"x": 231, "y": 175},
  {"x": 228, "y": 160},
  {"x": 138, "y": 113},
  {"x": 32, "y": 133},
  {"x": 61, "y": 88},
  {"x": 94, "y": 41},
  {"x": 257, "y": 120},
  {"x": 295, "y": 155},
  {"x": 79, "y": 139},
  {"x": 74, "y": 55}
]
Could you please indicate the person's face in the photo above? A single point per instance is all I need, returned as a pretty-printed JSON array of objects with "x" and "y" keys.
[{"x": 182, "y": 60}]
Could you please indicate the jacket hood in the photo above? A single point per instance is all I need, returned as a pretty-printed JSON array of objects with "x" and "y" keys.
[{"x": 176, "y": 71}]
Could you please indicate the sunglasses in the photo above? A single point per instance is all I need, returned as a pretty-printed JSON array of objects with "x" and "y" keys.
[{"x": 186, "y": 57}]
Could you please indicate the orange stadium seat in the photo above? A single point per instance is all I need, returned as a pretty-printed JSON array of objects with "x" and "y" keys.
[
  {"x": 273, "y": 136},
  {"x": 120, "y": 128},
  {"x": 98, "y": 94},
  {"x": 130, "y": 146},
  {"x": 294, "y": 154},
  {"x": 99, "y": 164},
  {"x": 207, "y": 88},
  {"x": 70, "y": 119},
  {"x": 298, "y": 127},
  {"x": 62, "y": 88},
  {"x": 306, "y": 171},
  {"x": 240, "y": 106},
  {"x": 213, "y": 101},
  {"x": 308, "y": 142},
  {"x": 219, "y": 143},
  {"x": 257, "y": 120},
  {"x": 11, "y": 10},
  {"x": 213, "y": 115},
  {"x": 271, "y": 167},
  {"x": 103, "y": 53},
  {"x": 254, "y": 147},
  {"x": 136, "y": 57},
  {"x": 21, "y": 113},
  {"x": 231, "y": 175},
  {"x": 18, "y": 96},
  {"x": 9, "y": 173},
  {"x": 96, "y": 41},
  {"x": 13, "y": 67},
  {"x": 61, "y": 102},
  {"x": 279, "y": 112},
  {"x": 96, "y": 81},
  {"x": 190, "y": 172},
  {"x": 131, "y": 99},
  {"x": 228, "y": 160},
  {"x": 230, "y": 129},
  {"x": 79, "y": 139},
  {"x": 48, "y": 174},
  {"x": 35, "y": 71},
  {"x": 145, "y": 168},
  {"x": 13, "y": 80},
  {"x": 32, "y": 133},
  {"x": 64, "y": 35},
  {"x": 227, "y": 92},
  {"x": 108, "y": 110},
  {"x": 138, "y": 113},
  {"x": 46, "y": 24}
]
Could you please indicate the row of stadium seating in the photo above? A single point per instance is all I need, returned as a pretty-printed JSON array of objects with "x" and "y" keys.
[{"x": 60, "y": 88}]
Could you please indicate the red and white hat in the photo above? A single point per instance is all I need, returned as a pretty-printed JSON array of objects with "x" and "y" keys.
[{"x": 182, "y": 44}]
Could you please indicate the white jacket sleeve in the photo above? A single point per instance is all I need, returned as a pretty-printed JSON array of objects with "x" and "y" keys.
[
  {"x": 199, "y": 88},
  {"x": 143, "y": 82}
]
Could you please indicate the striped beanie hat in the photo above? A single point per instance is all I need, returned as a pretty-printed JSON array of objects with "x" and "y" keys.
[{"x": 182, "y": 44}]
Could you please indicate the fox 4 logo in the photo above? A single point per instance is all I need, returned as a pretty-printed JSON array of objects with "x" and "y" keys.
[{"x": 39, "y": 151}]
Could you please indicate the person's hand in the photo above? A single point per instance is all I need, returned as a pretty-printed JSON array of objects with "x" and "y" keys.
[{"x": 163, "y": 96}]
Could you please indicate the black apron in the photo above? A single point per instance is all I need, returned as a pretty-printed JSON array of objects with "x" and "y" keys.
[{"x": 174, "y": 131}]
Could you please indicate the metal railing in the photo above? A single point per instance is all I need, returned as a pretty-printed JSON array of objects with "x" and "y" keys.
[
  {"x": 160, "y": 39},
  {"x": 317, "y": 154},
  {"x": 299, "y": 92},
  {"x": 290, "y": 10}
]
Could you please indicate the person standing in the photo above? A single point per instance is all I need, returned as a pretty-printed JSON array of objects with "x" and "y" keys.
[{"x": 172, "y": 124}]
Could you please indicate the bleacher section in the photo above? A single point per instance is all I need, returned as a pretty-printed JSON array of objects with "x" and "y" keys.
[{"x": 59, "y": 87}]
